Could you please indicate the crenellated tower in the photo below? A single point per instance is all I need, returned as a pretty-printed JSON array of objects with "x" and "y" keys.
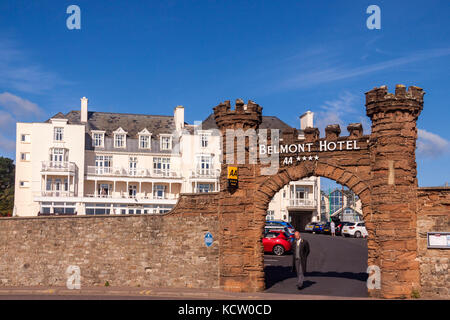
[
  {"x": 394, "y": 186},
  {"x": 238, "y": 222}
]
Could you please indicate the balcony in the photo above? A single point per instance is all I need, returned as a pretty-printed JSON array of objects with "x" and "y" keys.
[
  {"x": 302, "y": 203},
  {"x": 61, "y": 194},
  {"x": 205, "y": 174},
  {"x": 136, "y": 172},
  {"x": 58, "y": 167}
]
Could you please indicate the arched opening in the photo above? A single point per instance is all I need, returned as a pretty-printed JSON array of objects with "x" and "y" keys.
[{"x": 337, "y": 265}]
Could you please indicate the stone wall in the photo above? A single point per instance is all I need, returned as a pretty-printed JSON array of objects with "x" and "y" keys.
[
  {"x": 433, "y": 216},
  {"x": 146, "y": 250}
]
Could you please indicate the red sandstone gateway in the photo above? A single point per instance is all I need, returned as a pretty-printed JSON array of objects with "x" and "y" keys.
[{"x": 276, "y": 242}]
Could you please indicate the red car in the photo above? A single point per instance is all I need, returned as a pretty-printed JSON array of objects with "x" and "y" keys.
[{"x": 276, "y": 242}]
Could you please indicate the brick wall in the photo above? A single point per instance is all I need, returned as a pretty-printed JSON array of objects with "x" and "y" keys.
[
  {"x": 147, "y": 250},
  {"x": 433, "y": 216}
]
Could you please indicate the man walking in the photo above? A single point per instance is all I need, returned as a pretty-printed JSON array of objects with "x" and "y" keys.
[{"x": 300, "y": 252}]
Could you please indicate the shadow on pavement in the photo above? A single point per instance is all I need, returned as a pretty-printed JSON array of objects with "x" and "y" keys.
[
  {"x": 276, "y": 274},
  {"x": 362, "y": 276}
]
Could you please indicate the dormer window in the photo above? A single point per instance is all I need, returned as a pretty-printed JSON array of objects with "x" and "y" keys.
[
  {"x": 98, "y": 139},
  {"x": 144, "y": 139},
  {"x": 166, "y": 142},
  {"x": 120, "y": 138}
]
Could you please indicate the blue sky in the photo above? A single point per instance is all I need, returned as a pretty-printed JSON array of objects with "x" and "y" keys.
[{"x": 287, "y": 56}]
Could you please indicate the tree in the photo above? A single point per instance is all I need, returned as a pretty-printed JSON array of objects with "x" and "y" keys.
[{"x": 7, "y": 172}]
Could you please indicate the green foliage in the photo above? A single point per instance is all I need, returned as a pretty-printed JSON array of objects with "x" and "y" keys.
[
  {"x": 106, "y": 283},
  {"x": 415, "y": 294},
  {"x": 7, "y": 172}
]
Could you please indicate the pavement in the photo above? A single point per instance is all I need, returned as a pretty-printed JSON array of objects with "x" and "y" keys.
[
  {"x": 335, "y": 271},
  {"x": 116, "y": 293},
  {"x": 336, "y": 267}
]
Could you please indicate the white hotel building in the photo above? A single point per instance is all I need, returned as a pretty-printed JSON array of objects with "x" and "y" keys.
[{"x": 87, "y": 162}]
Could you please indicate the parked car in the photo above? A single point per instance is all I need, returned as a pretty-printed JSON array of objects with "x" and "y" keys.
[
  {"x": 279, "y": 227},
  {"x": 326, "y": 229},
  {"x": 355, "y": 229},
  {"x": 310, "y": 226},
  {"x": 338, "y": 227},
  {"x": 276, "y": 242},
  {"x": 318, "y": 227},
  {"x": 280, "y": 222}
]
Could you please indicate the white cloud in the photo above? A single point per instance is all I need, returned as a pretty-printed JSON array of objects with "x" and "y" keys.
[
  {"x": 342, "y": 111},
  {"x": 313, "y": 73},
  {"x": 19, "y": 106},
  {"x": 19, "y": 72},
  {"x": 6, "y": 120},
  {"x": 431, "y": 145},
  {"x": 6, "y": 144}
]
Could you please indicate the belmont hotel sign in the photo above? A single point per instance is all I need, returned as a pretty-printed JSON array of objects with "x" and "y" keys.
[{"x": 307, "y": 147}]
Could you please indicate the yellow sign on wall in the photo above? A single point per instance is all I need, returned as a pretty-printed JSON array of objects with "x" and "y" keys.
[{"x": 232, "y": 173}]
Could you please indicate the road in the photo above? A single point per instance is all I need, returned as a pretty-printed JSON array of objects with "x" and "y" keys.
[{"x": 336, "y": 267}]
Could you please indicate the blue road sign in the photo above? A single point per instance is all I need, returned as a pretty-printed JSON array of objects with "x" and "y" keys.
[{"x": 208, "y": 239}]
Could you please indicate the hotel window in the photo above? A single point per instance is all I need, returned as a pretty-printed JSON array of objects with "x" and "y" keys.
[
  {"x": 132, "y": 163},
  {"x": 98, "y": 139},
  {"x": 103, "y": 164},
  {"x": 159, "y": 191},
  {"x": 24, "y": 184},
  {"x": 203, "y": 164},
  {"x": 300, "y": 192},
  {"x": 58, "y": 155},
  {"x": 166, "y": 142},
  {"x": 270, "y": 215},
  {"x": 119, "y": 140},
  {"x": 132, "y": 191},
  {"x": 25, "y": 138},
  {"x": 58, "y": 134},
  {"x": 204, "y": 187},
  {"x": 204, "y": 138},
  {"x": 144, "y": 142},
  {"x": 48, "y": 187},
  {"x": 25, "y": 156},
  {"x": 161, "y": 166},
  {"x": 98, "y": 208}
]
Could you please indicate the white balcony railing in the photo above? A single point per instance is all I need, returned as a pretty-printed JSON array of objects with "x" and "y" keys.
[
  {"x": 58, "y": 166},
  {"x": 302, "y": 203},
  {"x": 137, "y": 197},
  {"x": 53, "y": 193},
  {"x": 135, "y": 172},
  {"x": 205, "y": 173}
]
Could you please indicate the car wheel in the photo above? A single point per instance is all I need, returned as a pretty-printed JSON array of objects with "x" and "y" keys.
[
  {"x": 278, "y": 250},
  {"x": 357, "y": 234}
]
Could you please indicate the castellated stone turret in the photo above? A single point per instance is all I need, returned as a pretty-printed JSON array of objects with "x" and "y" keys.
[
  {"x": 244, "y": 116},
  {"x": 378, "y": 100}
]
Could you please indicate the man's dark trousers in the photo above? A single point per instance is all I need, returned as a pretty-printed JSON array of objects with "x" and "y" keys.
[{"x": 299, "y": 255}]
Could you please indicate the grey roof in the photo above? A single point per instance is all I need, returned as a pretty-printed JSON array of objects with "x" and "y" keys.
[
  {"x": 268, "y": 122},
  {"x": 131, "y": 123}
]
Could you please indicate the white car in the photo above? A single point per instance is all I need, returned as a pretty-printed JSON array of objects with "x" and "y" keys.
[{"x": 355, "y": 229}]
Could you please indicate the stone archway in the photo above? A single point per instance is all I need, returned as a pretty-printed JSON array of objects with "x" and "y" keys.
[
  {"x": 273, "y": 184},
  {"x": 379, "y": 167}
]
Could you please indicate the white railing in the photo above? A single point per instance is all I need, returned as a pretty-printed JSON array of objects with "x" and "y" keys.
[
  {"x": 302, "y": 203},
  {"x": 205, "y": 173},
  {"x": 53, "y": 193},
  {"x": 137, "y": 197},
  {"x": 135, "y": 172},
  {"x": 61, "y": 166}
]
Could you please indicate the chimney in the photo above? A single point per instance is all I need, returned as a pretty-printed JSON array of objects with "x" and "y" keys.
[
  {"x": 178, "y": 117},
  {"x": 307, "y": 120},
  {"x": 84, "y": 109}
]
